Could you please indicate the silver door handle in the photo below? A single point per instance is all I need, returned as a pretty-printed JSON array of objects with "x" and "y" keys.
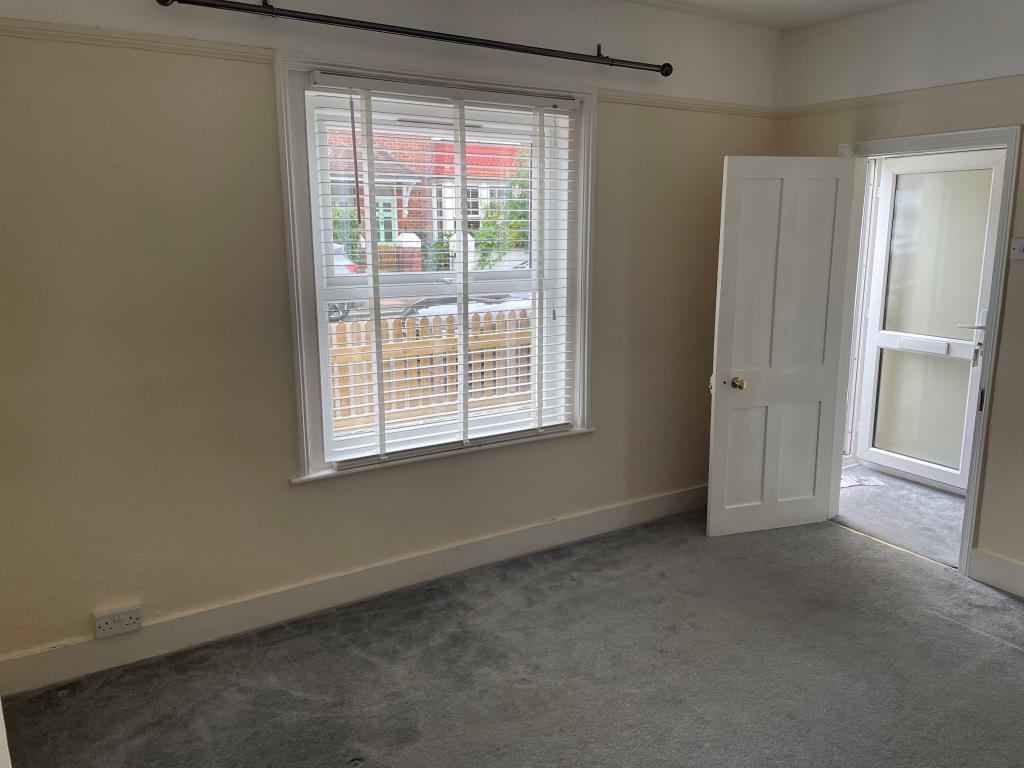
[{"x": 970, "y": 327}]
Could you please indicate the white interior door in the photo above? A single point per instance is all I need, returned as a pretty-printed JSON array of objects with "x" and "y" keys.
[
  {"x": 787, "y": 256},
  {"x": 931, "y": 274}
]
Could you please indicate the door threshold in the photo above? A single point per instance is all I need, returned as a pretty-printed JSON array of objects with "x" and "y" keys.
[
  {"x": 910, "y": 477},
  {"x": 894, "y": 546}
]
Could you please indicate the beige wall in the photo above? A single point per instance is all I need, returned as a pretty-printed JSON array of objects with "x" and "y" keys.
[
  {"x": 987, "y": 104},
  {"x": 713, "y": 58},
  {"x": 147, "y": 417},
  {"x": 901, "y": 47}
]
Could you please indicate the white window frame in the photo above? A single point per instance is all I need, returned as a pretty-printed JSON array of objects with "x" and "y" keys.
[{"x": 294, "y": 77}]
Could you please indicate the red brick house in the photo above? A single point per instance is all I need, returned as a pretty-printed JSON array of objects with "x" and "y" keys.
[{"x": 416, "y": 188}]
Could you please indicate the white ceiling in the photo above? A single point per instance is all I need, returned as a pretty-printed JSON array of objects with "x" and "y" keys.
[{"x": 780, "y": 14}]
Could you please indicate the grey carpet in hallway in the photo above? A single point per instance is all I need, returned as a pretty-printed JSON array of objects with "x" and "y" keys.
[
  {"x": 654, "y": 647},
  {"x": 910, "y": 515}
]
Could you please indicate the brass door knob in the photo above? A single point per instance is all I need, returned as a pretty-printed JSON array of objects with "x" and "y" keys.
[{"x": 739, "y": 383}]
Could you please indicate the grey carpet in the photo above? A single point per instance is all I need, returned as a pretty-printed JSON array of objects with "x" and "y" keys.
[
  {"x": 654, "y": 647},
  {"x": 910, "y": 515}
]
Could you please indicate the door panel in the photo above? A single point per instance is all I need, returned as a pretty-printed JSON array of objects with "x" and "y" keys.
[
  {"x": 745, "y": 482},
  {"x": 783, "y": 267},
  {"x": 930, "y": 276},
  {"x": 912, "y": 390},
  {"x": 938, "y": 244},
  {"x": 761, "y": 202},
  {"x": 798, "y": 439},
  {"x": 801, "y": 289}
]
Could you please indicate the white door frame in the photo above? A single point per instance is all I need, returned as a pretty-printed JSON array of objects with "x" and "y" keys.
[
  {"x": 991, "y": 138},
  {"x": 868, "y": 215},
  {"x": 877, "y": 338},
  {"x": 5, "y": 757}
]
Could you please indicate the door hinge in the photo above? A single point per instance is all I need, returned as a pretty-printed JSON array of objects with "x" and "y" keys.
[{"x": 981, "y": 400}]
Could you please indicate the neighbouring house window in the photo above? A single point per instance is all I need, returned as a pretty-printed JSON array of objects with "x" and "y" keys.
[
  {"x": 387, "y": 219},
  {"x": 466, "y": 328},
  {"x": 473, "y": 207},
  {"x": 440, "y": 220}
]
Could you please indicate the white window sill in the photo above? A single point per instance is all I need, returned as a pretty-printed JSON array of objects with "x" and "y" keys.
[{"x": 327, "y": 472}]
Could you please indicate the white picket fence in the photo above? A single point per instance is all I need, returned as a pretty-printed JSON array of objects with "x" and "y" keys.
[{"x": 420, "y": 368}]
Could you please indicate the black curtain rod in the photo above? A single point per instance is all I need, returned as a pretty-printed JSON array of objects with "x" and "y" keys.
[{"x": 266, "y": 9}]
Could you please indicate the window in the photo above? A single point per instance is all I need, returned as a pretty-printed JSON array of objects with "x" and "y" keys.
[
  {"x": 387, "y": 219},
  {"x": 468, "y": 330},
  {"x": 440, "y": 220},
  {"x": 473, "y": 207}
]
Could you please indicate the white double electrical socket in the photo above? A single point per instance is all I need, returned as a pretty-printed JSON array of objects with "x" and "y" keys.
[
  {"x": 1017, "y": 248},
  {"x": 118, "y": 622}
]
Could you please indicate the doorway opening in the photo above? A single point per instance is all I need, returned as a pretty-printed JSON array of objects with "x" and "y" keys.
[{"x": 929, "y": 284}]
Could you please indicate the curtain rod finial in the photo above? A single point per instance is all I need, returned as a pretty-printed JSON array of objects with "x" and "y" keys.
[
  {"x": 165, "y": 2},
  {"x": 666, "y": 69}
]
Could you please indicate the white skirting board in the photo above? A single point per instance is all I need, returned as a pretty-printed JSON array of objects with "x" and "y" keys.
[
  {"x": 80, "y": 656},
  {"x": 997, "y": 571}
]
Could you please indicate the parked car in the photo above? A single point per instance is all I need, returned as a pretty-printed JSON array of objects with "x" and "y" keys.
[
  {"x": 449, "y": 305},
  {"x": 343, "y": 265}
]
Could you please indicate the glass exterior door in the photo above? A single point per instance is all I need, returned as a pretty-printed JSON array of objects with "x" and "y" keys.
[{"x": 926, "y": 314}]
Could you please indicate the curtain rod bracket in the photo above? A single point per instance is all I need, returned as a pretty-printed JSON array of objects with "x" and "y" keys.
[{"x": 266, "y": 9}]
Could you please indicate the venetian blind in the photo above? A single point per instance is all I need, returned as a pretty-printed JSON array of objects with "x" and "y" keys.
[{"x": 446, "y": 248}]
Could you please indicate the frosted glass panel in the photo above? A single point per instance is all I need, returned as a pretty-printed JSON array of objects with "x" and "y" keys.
[
  {"x": 936, "y": 252},
  {"x": 922, "y": 406}
]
